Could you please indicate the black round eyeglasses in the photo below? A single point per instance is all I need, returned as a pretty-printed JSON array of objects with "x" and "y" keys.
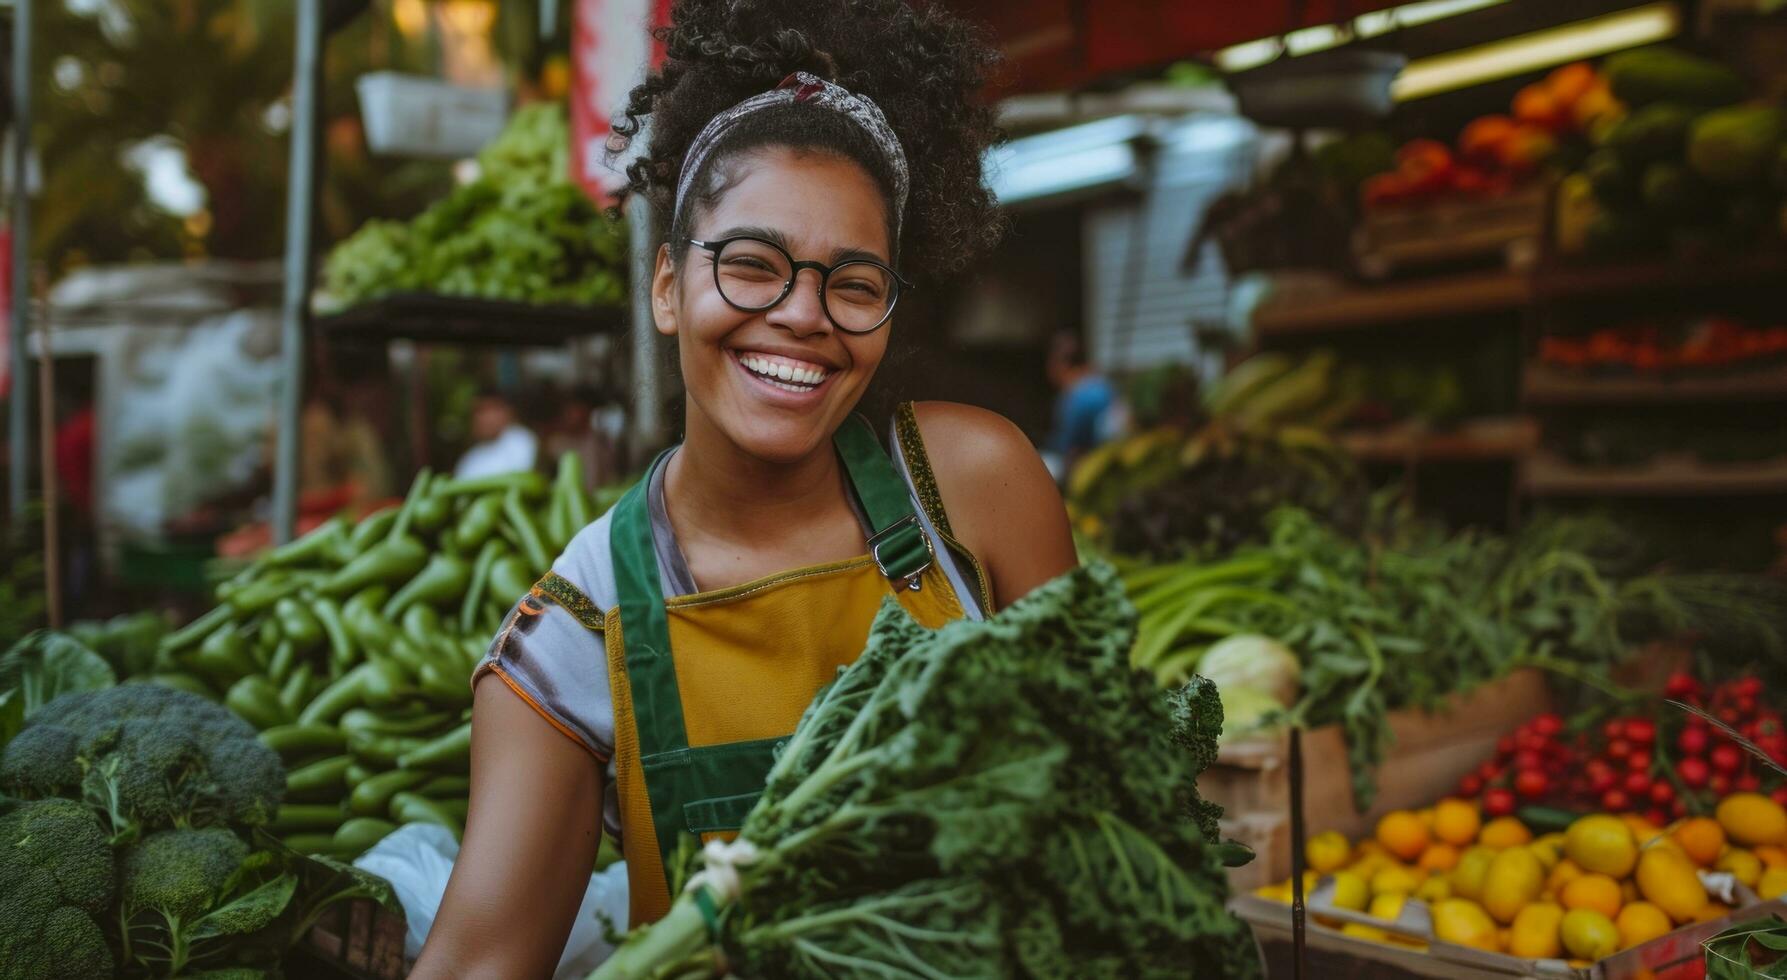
[{"x": 754, "y": 275}]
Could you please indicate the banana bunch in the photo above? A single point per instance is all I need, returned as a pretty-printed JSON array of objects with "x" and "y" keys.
[{"x": 1272, "y": 391}]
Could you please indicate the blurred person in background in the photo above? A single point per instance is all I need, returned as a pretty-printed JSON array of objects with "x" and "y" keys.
[
  {"x": 500, "y": 442},
  {"x": 584, "y": 425},
  {"x": 1085, "y": 407}
]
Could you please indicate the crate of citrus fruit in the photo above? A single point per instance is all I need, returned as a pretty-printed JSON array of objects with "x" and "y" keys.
[{"x": 1445, "y": 891}]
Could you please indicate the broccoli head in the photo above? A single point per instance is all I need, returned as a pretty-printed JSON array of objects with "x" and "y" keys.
[
  {"x": 179, "y": 872},
  {"x": 55, "y": 883},
  {"x": 1195, "y": 710},
  {"x": 151, "y": 756}
]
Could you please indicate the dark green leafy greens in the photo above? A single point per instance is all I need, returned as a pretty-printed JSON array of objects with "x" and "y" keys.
[{"x": 1003, "y": 798}]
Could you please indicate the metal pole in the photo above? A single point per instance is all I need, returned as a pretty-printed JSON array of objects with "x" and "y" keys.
[
  {"x": 300, "y": 195},
  {"x": 648, "y": 383},
  {"x": 52, "y": 500},
  {"x": 20, "y": 425}
]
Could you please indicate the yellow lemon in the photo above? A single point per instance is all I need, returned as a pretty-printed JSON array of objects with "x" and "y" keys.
[
  {"x": 1711, "y": 911},
  {"x": 1641, "y": 922},
  {"x": 1561, "y": 874},
  {"x": 1602, "y": 844},
  {"x": 1743, "y": 865},
  {"x": 1700, "y": 838},
  {"x": 1515, "y": 878},
  {"x": 1643, "y": 831},
  {"x": 1549, "y": 849},
  {"x": 1456, "y": 822},
  {"x": 1772, "y": 855},
  {"x": 1628, "y": 890},
  {"x": 1402, "y": 834},
  {"x": 1534, "y": 934},
  {"x": 1427, "y": 818},
  {"x": 1350, "y": 891},
  {"x": 1593, "y": 891},
  {"x": 1386, "y": 906},
  {"x": 1473, "y": 867},
  {"x": 1328, "y": 851},
  {"x": 1394, "y": 881},
  {"x": 1588, "y": 934},
  {"x": 1438, "y": 857},
  {"x": 1434, "y": 890},
  {"x": 1504, "y": 832},
  {"x": 1751, "y": 819},
  {"x": 1371, "y": 864},
  {"x": 1280, "y": 892},
  {"x": 1773, "y": 884},
  {"x": 1462, "y": 921},
  {"x": 1361, "y": 931},
  {"x": 1668, "y": 881}
]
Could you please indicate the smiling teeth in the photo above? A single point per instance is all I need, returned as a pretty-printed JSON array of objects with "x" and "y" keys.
[{"x": 782, "y": 374}]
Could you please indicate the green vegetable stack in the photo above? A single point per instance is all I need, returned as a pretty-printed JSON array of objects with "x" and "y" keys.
[
  {"x": 1690, "y": 168},
  {"x": 351, "y": 649},
  {"x": 1004, "y": 798},
  {"x": 522, "y": 231},
  {"x": 130, "y": 843}
]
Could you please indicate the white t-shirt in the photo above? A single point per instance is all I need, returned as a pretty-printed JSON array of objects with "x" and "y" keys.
[{"x": 510, "y": 452}]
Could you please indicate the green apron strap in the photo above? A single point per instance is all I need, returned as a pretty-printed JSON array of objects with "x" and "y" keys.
[{"x": 899, "y": 545}]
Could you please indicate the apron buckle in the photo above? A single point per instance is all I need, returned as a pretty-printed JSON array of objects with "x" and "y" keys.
[{"x": 893, "y": 548}]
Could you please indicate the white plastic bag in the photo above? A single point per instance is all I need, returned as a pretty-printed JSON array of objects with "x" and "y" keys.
[{"x": 418, "y": 858}]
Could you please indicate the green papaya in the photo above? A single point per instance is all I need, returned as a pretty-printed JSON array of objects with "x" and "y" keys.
[
  {"x": 1736, "y": 147},
  {"x": 1656, "y": 74},
  {"x": 1653, "y": 133}
]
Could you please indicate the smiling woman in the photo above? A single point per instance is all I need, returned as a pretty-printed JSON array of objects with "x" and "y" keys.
[{"x": 810, "y": 162}]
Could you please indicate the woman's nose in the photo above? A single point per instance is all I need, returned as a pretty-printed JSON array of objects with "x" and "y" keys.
[{"x": 801, "y": 312}]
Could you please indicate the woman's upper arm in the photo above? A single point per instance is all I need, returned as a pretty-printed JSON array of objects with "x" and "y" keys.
[
  {"x": 531, "y": 834},
  {"x": 1003, "y": 504}
]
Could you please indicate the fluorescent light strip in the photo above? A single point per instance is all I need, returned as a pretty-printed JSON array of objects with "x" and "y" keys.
[
  {"x": 1540, "y": 49},
  {"x": 1252, "y": 54}
]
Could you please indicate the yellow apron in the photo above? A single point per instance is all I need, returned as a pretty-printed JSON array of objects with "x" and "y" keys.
[{"x": 695, "y": 733}]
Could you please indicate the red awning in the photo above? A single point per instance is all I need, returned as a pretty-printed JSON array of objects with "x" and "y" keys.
[{"x": 1057, "y": 44}]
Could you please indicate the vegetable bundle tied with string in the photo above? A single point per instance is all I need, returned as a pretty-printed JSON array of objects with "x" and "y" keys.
[{"x": 1000, "y": 798}]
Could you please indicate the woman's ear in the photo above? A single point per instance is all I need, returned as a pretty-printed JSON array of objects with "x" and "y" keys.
[{"x": 664, "y": 293}]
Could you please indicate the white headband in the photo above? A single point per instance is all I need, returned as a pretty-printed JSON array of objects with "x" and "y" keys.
[{"x": 803, "y": 87}]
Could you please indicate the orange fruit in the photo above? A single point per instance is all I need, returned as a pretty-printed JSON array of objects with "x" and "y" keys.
[
  {"x": 1570, "y": 82},
  {"x": 1402, "y": 834},
  {"x": 1536, "y": 105},
  {"x": 1641, "y": 922},
  {"x": 1592, "y": 891},
  {"x": 1772, "y": 856},
  {"x": 1711, "y": 911},
  {"x": 1456, "y": 822},
  {"x": 1751, "y": 819},
  {"x": 1484, "y": 137},
  {"x": 1439, "y": 857},
  {"x": 1701, "y": 838},
  {"x": 1562, "y": 873},
  {"x": 1643, "y": 831},
  {"x": 1504, "y": 832}
]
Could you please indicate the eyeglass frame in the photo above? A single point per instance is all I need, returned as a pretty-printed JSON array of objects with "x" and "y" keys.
[{"x": 795, "y": 266}]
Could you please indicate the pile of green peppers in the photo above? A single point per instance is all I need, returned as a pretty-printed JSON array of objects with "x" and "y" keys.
[{"x": 351, "y": 649}]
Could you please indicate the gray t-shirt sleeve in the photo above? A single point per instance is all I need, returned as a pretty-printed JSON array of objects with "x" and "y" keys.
[{"x": 557, "y": 658}]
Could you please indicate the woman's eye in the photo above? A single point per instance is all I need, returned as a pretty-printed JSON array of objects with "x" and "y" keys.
[{"x": 749, "y": 263}]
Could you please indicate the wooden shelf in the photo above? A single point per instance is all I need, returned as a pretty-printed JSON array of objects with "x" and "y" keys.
[
  {"x": 431, "y": 318},
  {"x": 1581, "y": 282},
  {"x": 1476, "y": 440},
  {"x": 1544, "y": 384},
  {"x": 1401, "y": 303},
  {"x": 1547, "y": 475}
]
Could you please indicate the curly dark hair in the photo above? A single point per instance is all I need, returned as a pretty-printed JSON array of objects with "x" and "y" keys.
[{"x": 920, "y": 64}]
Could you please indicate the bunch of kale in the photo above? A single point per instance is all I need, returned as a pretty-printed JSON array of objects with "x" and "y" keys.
[{"x": 1000, "y": 798}]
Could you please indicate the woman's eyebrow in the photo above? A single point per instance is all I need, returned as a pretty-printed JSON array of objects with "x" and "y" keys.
[{"x": 841, "y": 255}]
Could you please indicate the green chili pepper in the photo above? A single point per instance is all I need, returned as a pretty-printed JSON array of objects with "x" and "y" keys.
[
  {"x": 373, "y": 796},
  {"x": 443, "y": 684},
  {"x": 407, "y": 513},
  {"x": 295, "y": 818},
  {"x": 423, "y": 626},
  {"x": 264, "y": 593},
  {"x": 370, "y": 531},
  {"x": 295, "y": 692},
  {"x": 279, "y": 666},
  {"x": 322, "y": 544},
  {"x": 450, "y": 787},
  {"x": 432, "y": 512},
  {"x": 196, "y": 630},
  {"x": 311, "y": 842},
  {"x": 322, "y": 779},
  {"x": 531, "y": 484},
  {"x": 365, "y": 624},
  {"x": 510, "y": 577},
  {"x": 415, "y": 808},
  {"x": 450, "y": 752},
  {"x": 358, "y": 835},
  {"x": 297, "y": 740},
  {"x": 474, "y": 592},
  {"x": 266, "y": 635},
  {"x": 341, "y": 644},
  {"x": 387, "y": 563},
  {"x": 526, "y": 531},
  {"x": 479, "y": 520},
  {"x": 298, "y": 624},
  {"x": 256, "y": 701},
  {"x": 385, "y": 723},
  {"x": 444, "y": 578},
  {"x": 373, "y": 682},
  {"x": 376, "y": 749},
  {"x": 183, "y": 682},
  {"x": 224, "y": 656}
]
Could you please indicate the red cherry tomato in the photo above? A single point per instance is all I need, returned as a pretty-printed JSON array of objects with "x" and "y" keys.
[
  {"x": 1531, "y": 742},
  {"x": 1662, "y": 793},
  {"x": 1527, "y": 760},
  {"x": 1720, "y": 784},
  {"x": 1470, "y": 785},
  {"x": 1692, "y": 741},
  {"x": 1693, "y": 771},
  {"x": 1679, "y": 808},
  {"x": 1748, "y": 687},
  {"x": 1637, "y": 784},
  {"x": 1780, "y": 795},
  {"x": 1657, "y": 816},
  {"x": 1498, "y": 802},
  {"x": 1641, "y": 731},
  {"x": 1638, "y": 761},
  {"x": 1548, "y": 724},
  {"x": 1615, "y": 801},
  {"x": 1680, "y": 685},
  {"x": 1726, "y": 758},
  {"x": 1618, "y": 748},
  {"x": 1504, "y": 746},
  {"x": 1531, "y": 784},
  {"x": 1747, "y": 783},
  {"x": 1602, "y": 779},
  {"x": 1614, "y": 729}
]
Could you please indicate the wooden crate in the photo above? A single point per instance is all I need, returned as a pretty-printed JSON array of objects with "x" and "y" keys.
[
  {"x": 356, "y": 939},
  {"x": 1431, "y": 752},
  {"x": 1508, "y": 230}
]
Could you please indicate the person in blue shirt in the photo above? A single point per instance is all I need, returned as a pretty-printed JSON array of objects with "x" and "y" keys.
[{"x": 1084, "y": 407}]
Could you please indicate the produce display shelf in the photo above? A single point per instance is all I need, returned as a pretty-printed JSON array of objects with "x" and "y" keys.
[
  {"x": 1567, "y": 282},
  {"x": 1485, "y": 439},
  {"x": 1547, "y": 475},
  {"x": 1547, "y": 385},
  {"x": 432, "y": 318},
  {"x": 1401, "y": 303}
]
